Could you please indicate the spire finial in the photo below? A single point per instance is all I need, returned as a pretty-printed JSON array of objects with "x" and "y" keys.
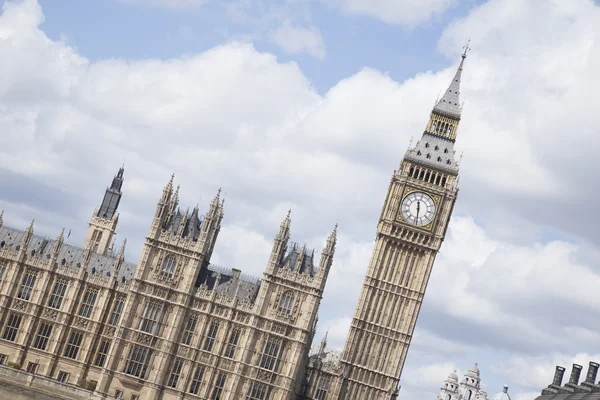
[
  {"x": 466, "y": 48},
  {"x": 121, "y": 254}
]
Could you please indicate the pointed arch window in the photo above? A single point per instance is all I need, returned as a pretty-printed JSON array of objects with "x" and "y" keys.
[
  {"x": 286, "y": 304},
  {"x": 168, "y": 267},
  {"x": 152, "y": 318},
  {"x": 468, "y": 395}
]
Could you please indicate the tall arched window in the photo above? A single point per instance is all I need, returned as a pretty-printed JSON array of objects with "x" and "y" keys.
[
  {"x": 168, "y": 267},
  {"x": 286, "y": 304},
  {"x": 468, "y": 394},
  {"x": 448, "y": 397}
]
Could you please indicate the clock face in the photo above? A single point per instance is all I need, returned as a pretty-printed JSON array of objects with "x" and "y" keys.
[{"x": 418, "y": 208}]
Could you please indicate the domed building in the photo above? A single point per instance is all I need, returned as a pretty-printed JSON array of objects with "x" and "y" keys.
[
  {"x": 502, "y": 395},
  {"x": 469, "y": 388}
]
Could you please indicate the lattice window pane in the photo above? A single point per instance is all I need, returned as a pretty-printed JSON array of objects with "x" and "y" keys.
[
  {"x": 189, "y": 330},
  {"x": 2, "y": 269},
  {"x": 234, "y": 338},
  {"x": 210, "y": 337},
  {"x": 219, "y": 385},
  {"x": 87, "y": 305},
  {"x": 74, "y": 344},
  {"x": 257, "y": 391},
  {"x": 27, "y": 285},
  {"x": 322, "y": 388},
  {"x": 197, "y": 380},
  {"x": 115, "y": 315},
  {"x": 286, "y": 304},
  {"x": 41, "y": 340},
  {"x": 137, "y": 361},
  {"x": 102, "y": 353},
  {"x": 58, "y": 294},
  {"x": 168, "y": 267},
  {"x": 152, "y": 318},
  {"x": 12, "y": 327},
  {"x": 269, "y": 356},
  {"x": 175, "y": 373}
]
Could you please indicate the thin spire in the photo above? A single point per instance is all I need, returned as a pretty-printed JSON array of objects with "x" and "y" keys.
[
  {"x": 121, "y": 254},
  {"x": 450, "y": 104},
  {"x": 1, "y": 217},
  {"x": 58, "y": 243}
]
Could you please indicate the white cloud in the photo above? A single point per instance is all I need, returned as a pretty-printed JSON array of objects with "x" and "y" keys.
[
  {"x": 296, "y": 40},
  {"x": 170, "y": 3},
  {"x": 404, "y": 12}
]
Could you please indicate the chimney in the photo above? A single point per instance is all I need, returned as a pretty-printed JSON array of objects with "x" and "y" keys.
[
  {"x": 575, "y": 373},
  {"x": 592, "y": 373},
  {"x": 558, "y": 376}
]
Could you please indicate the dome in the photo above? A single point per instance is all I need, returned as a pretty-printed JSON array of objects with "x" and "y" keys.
[{"x": 503, "y": 395}]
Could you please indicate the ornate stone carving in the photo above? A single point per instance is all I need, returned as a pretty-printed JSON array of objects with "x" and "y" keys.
[
  {"x": 50, "y": 314},
  {"x": 110, "y": 331},
  {"x": 143, "y": 338},
  {"x": 182, "y": 351},
  {"x": 80, "y": 323},
  {"x": 20, "y": 305}
]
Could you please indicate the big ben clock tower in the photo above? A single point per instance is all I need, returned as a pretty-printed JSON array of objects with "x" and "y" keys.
[{"x": 410, "y": 231}]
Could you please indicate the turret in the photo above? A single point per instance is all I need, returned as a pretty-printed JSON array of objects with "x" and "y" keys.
[
  {"x": 280, "y": 244},
  {"x": 27, "y": 235},
  {"x": 58, "y": 244},
  {"x": 120, "y": 259},
  {"x": 163, "y": 207},
  {"x": 103, "y": 224},
  {"x": 323, "y": 345},
  {"x": 327, "y": 257}
]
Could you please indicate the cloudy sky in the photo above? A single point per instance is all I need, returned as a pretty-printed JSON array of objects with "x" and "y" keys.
[{"x": 311, "y": 104}]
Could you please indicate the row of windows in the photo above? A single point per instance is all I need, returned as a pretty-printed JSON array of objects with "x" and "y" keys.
[
  {"x": 58, "y": 295},
  {"x": 42, "y": 339},
  {"x": 196, "y": 383},
  {"x": 427, "y": 176},
  {"x": 442, "y": 128}
]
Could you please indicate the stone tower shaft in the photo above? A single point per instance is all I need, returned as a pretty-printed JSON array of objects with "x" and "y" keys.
[{"x": 410, "y": 231}]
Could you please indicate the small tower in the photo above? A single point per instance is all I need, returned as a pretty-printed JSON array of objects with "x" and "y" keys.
[
  {"x": 471, "y": 383},
  {"x": 327, "y": 257},
  {"x": 104, "y": 221},
  {"x": 449, "y": 390}
]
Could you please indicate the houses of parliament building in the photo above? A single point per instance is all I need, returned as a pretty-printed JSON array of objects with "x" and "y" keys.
[{"x": 174, "y": 326}]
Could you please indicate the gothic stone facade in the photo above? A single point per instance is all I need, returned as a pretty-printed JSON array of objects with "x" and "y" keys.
[
  {"x": 175, "y": 326},
  {"x": 172, "y": 327}
]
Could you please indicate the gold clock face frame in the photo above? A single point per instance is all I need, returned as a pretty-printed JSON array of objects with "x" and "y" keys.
[{"x": 427, "y": 204}]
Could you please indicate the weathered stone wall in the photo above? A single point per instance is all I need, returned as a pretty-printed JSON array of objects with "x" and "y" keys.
[{"x": 19, "y": 385}]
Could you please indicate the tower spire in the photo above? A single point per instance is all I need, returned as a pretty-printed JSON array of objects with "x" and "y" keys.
[
  {"x": 1, "y": 217},
  {"x": 112, "y": 197},
  {"x": 449, "y": 105}
]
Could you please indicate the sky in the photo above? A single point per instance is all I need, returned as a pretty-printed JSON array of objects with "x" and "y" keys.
[{"x": 311, "y": 105}]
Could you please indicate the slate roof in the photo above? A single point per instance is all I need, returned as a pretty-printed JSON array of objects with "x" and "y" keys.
[
  {"x": 434, "y": 151},
  {"x": 230, "y": 283},
  {"x": 296, "y": 253},
  {"x": 449, "y": 104},
  {"x": 72, "y": 255}
]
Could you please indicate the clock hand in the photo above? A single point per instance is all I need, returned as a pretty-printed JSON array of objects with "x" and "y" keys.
[{"x": 418, "y": 209}]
